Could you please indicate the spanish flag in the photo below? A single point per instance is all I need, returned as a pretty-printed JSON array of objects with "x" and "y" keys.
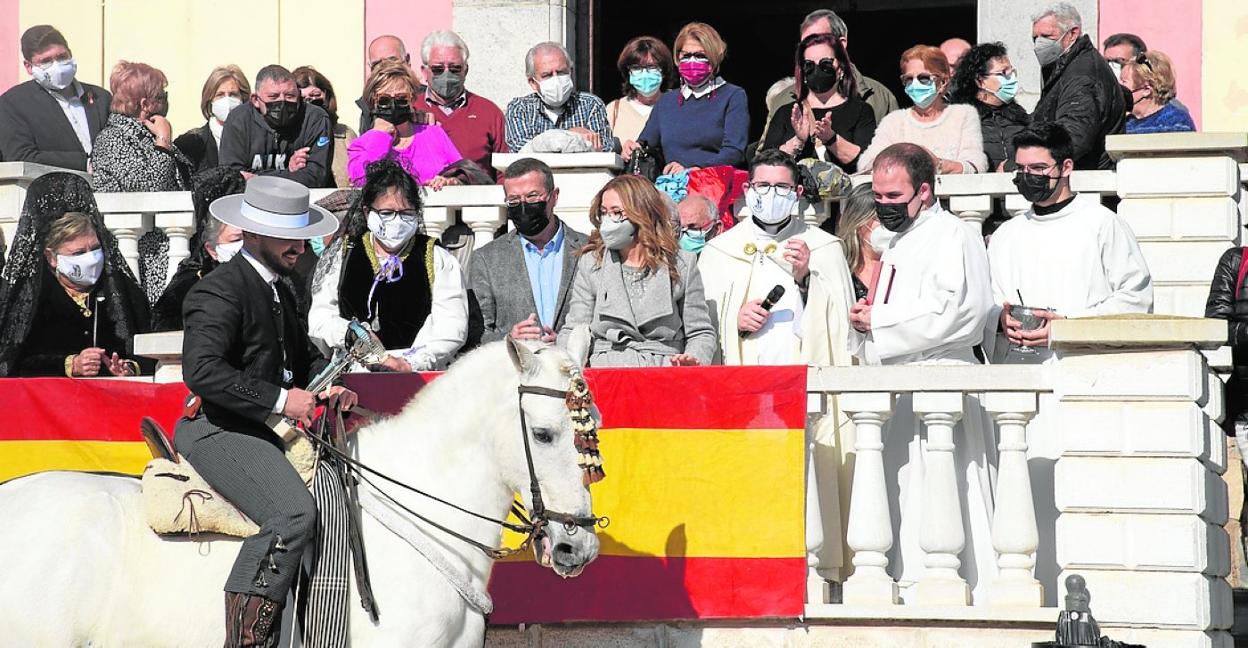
[{"x": 704, "y": 484}]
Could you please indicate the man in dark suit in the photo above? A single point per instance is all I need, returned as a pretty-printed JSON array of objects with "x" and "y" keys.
[
  {"x": 51, "y": 119},
  {"x": 244, "y": 350},
  {"x": 518, "y": 284}
]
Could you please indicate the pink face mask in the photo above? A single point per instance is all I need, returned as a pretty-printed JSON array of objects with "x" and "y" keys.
[{"x": 695, "y": 72}]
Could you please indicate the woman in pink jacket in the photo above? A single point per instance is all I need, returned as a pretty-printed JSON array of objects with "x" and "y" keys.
[{"x": 424, "y": 151}]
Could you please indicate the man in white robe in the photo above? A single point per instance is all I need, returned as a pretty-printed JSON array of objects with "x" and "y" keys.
[
  {"x": 1071, "y": 256},
  {"x": 808, "y": 325},
  {"x": 1075, "y": 258},
  {"x": 929, "y": 306}
]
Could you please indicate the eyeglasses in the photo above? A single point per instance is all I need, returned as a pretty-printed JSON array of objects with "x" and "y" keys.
[
  {"x": 616, "y": 216},
  {"x": 828, "y": 65},
  {"x": 644, "y": 68},
  {"x": 46, "y": 65},
  {"x": 390, "y": 215},
  {"x": 694, "y": 57},
  {"x": 923, "y": 79},
  {"x": 438, "y": 69},
  {"x": 764, "y": 188},
  {"x": 698, "y": 231},
  {"x": 531, "y": 197},
  {"x": 1037, "y": 169}
]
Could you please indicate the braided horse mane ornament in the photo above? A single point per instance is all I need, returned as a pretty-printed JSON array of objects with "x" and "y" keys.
[{"x": 580, "y": 405}]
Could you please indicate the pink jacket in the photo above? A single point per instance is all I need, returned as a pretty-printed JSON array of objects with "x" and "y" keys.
[{"x": 429, "y": 152}]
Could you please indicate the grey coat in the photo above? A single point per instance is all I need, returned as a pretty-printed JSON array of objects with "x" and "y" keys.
[
  {"x": 665, "y": 320},
  {"x": 499, "y": 293}
]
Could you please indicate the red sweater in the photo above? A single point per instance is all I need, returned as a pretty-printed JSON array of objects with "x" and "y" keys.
[{"x": 476, "y": 128}]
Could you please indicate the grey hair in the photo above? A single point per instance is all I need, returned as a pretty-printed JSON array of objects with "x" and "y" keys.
[
  {"x": 838, "y": 26},
  {"x": 529, "y": 68},
  {"x": 1066, "y": 14},
  {"x": 212, "y": 231},
  {"x": 712, "y": 208},
  {"x": 442, "y": 39}
]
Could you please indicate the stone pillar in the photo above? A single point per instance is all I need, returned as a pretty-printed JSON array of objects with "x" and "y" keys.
[
  {"x": 1180, "y": 195},
  {"x": 1136, "y": 484},
  {"x": 166, "y": 349},
  {"x": 578, "y": 177},
  {"x": 500, "y": 32}
]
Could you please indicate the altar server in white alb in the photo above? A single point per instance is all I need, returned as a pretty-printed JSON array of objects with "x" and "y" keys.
[
  {"x": 928, "y": 306},
  {"x": 809, "y": 324},
  {"x": 1071, "y": 256}
]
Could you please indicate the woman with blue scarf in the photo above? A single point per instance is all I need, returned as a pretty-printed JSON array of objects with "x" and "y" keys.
[
  {"x": 385, "y": 272},
  {"x": 950, "y": 133}
]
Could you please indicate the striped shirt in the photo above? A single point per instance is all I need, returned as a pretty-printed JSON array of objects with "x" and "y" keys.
[{"x": 527, "y": 118}]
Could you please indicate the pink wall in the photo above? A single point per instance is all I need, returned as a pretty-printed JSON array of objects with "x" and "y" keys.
[
  {"x": 10, "y": 44},
  {"x": 1175, "y": 30},
  {"x": 408, "y": 20}
]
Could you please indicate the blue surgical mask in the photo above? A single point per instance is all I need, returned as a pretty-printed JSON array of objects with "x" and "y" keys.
[
  {"x": 1008, "y": 89},
  {"x": 921, "y": 94},
  {"x": 693, "y": 240},
  {"x": 318, "y": 245},
  {"x": 646, "y": 80}
]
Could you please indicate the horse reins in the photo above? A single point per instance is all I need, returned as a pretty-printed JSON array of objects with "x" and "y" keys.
[{"x": 531, "y": 525}]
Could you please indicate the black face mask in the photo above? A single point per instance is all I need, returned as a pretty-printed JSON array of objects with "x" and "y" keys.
[
  {"x": 895, "y": 217},
  {"x": 530, "y": 217},
  {"x": 395, "y": 111},
  {"x": 280, "y": 114},
  {"x": 1034, "y": 188},
  {"x": 819, "y": 78}
]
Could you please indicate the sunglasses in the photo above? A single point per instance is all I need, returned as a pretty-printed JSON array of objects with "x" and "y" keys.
[
  {"x": 828, "y": 65},
  {"x": 438, "y": 69},
  {"x": 923, "y": 79},
  {"x": 385, "y": 103}
]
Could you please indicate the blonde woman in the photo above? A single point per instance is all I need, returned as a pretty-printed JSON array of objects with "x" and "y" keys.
[
  {"x": 639, "y": 294},
  {"x": 860, "y": 233},
  {"x": 225, "y": 89},
  {"x": 1150, "y": 78}
]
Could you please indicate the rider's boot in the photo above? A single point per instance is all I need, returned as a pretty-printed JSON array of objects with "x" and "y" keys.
[{"x": 251, "y": 620}]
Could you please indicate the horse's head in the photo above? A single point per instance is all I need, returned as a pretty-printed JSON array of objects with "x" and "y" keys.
[{"x": 547, "y": 375}]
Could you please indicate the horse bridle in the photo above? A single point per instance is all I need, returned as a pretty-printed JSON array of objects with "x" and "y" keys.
[{"x": 532, "y": 525}]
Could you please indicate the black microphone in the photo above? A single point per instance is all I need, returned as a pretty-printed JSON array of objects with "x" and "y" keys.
[{"x": 768, "y": 301}]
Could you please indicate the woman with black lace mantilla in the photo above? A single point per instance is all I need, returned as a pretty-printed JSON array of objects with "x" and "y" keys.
[
  {"x": 69, "y": 304},
  {"x": 386, "y": 272}
]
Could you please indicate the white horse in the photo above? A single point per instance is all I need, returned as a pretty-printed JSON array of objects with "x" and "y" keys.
[{"x": 81, "y": 567}]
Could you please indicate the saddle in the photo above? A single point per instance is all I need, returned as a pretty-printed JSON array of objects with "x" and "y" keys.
[{"x": 177, "y": 501}]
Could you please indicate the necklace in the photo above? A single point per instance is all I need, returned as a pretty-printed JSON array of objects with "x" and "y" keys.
[{"x": 80, "y": 300}]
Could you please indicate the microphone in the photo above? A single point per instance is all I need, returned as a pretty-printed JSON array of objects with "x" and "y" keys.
[{"x": 768, "y": 301}]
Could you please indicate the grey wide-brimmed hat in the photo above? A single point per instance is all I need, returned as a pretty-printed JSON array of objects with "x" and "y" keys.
[{"x": 275, "y": 207}]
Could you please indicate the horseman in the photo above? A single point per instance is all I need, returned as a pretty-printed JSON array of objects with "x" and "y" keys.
[{"x": 244, "y": 352}]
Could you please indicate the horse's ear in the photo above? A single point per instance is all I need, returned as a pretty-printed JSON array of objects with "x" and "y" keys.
[
  {"x": 522, "y": 357},
  {"x": 579, "y": 341}
]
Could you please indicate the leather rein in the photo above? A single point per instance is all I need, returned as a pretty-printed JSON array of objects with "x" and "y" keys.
[{"x": 532, "y": 525}]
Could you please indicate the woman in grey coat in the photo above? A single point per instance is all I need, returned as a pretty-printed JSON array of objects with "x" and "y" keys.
[{"x": 639, "y": 294}]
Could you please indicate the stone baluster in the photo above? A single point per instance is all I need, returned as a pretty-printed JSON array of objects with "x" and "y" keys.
[
  {"x": 973, "y": 210},
  {"x": 1014, "y": 533},
  {"x": 437, "y": 219},
  {"x": 1015, "y": 204},
  {"x": 484, "y": 221},
  {"x": 178, "y": 226},
  {"x": 870, "y": 530},
  {"x": 941, "y": 535},
  {"x": 127, "y": 228}
]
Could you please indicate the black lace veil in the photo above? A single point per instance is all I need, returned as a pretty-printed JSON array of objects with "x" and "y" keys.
[{"x": 49, "y": 197}]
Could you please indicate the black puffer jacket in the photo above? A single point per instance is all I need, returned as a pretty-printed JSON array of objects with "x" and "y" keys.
[
  {"x": 1223, "y": 303},
  {"x": 1081, "y": 93},
  {"x": 999, "y": 125}
]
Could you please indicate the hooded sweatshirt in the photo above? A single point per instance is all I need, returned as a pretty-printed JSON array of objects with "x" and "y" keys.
[{"x": 249, "y": 144}]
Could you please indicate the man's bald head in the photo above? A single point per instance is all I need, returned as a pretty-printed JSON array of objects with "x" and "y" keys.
[
  {"x": 954, "y": 49},
  {"x": 384, "y": 47}
]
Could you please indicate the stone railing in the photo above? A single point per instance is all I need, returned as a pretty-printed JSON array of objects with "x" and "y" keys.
[{"x": 1128, "y": 417}]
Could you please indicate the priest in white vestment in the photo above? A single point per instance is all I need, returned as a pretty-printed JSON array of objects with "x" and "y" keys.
[
  {"x": 808, "y": 325},
  {"x": 1073, "y": 256},
  {"x": 929, "y": 306}
]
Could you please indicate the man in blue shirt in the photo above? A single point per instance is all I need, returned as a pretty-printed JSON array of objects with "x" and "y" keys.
[{"x": 518, "y": 284}]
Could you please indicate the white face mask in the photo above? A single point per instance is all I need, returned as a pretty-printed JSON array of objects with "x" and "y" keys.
[
  {"x": 556, "y": 90},
  {"x": 1116, "y": 68},
  {"x": 82, "y": 269},
  {"x": 392, "y": 233},
  {"x": 880, "y": 239},
  {"x": 769, "y": 208},
  {"x": 226, "y": 251},
  {"x": 221, "y": 107},
  {"x": 57, "y": 76}
]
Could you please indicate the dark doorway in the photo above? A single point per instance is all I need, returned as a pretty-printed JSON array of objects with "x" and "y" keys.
[{"x": 761, "y": 36}]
